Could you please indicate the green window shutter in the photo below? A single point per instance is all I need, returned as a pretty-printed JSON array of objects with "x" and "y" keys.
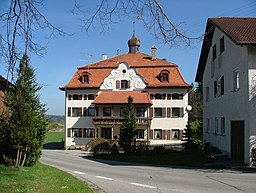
[
  {"x": 69, "y": 132},
  {"x": 69, "y": 111},
  {"x": 118, "y": 84},
  {"x": 181, "y": 112}
]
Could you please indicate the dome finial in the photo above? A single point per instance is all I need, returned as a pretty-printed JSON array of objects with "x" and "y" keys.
[{"x": 133, "y": 44}]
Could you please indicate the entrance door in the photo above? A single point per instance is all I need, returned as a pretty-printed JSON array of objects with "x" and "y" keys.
[
  {"x": 106, "y": 133},
  {"x": 237, "y": 140}
]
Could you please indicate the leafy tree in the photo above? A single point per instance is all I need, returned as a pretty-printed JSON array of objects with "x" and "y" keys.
[
  {"x": 128, "y": 127},
  {"x": 26, "y": 125}
]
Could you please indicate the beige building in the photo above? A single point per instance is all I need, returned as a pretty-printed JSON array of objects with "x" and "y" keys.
[{"x": 97, "y": 94}]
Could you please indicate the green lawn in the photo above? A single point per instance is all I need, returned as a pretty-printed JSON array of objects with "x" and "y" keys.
[
  {"x": 52, "y": 137},
  {"x": 171, "y": 158},
  {"x": 39, "y": 178}
]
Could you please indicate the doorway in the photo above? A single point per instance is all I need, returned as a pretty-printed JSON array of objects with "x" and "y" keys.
[{"x": 237, "y": 141}]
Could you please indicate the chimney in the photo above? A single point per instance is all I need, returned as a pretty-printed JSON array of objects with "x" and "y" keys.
[
  {"x": 104, "y": 56},
  {"x": 153, "y": 52}
]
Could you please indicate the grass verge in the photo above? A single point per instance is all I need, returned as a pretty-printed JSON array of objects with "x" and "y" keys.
[
  {"x": 53, "y": 137},
  {"x": 39, "y": 178},
  {"x": 170, "y": 158}
]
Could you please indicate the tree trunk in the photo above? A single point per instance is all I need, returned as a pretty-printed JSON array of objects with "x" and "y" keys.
[
  {"x": 17, "y": 158},
  {"x": 24, "y": 157}
]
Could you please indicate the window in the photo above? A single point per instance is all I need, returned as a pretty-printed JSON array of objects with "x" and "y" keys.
[
  {"x": 77, "y": 97},
  {"x": 152, "y": 96},
  {"x": 124, "y": 84},
  {"x": 175, "y": 133},
  {"x": 213, "y": 52},
  {"x": 219, "y": 87},
  {"x": 157, "y": 134},
  {"x": 85, "y": 78},
  {"x": 77, "y": 132},
  {"x": 207, "y": 96},
  {"x": 88, "y": 132},
  {"x": 158, "y": 96},
  {"x": 169, "y": 96},
  {"x": 207, "y": 125},
  {"x": 222, "y": 46},
  {"x": 106, "y": 111},
  {"x": 175, "y": 96},
  {"x": 177, "y": 112},
  {"x": 139, "y": 134},
  {"x": 222, "y": 126},
  {"x": 90, "y": 111},
  {"x": 164, "y": 76},
  {"x": 122, "y": 110},
  {"x": 236, "y": 85},
  {"x": 140, "y": 112},
  {"x": 90, "y": 96},
  {"x": 158, "y": 112},
  {"x": 76, "y": 111},
  {"x": 217, "y": 126}
]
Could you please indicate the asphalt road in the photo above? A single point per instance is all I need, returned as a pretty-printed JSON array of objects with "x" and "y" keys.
[{"x": 115, "y": 177}]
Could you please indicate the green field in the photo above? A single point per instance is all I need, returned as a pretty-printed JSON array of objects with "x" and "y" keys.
[
  {"x": 53, "y": 137},
  {"x": 39, "y": 178}
]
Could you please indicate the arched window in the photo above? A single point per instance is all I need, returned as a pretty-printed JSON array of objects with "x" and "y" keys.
[
  {"x": 175, "y": 96},
  {"x": 164, "y": 76},
  {"x": 85, "y": 78}
]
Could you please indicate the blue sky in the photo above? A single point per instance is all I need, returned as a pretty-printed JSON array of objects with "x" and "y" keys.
[{"x": 65, "y": 54}]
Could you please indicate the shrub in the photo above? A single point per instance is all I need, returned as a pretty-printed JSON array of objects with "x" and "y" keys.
[
  {"x": 158, "y": 149},
  {"x": 99, "y": 145}
]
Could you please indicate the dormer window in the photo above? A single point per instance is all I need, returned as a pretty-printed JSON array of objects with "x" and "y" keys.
[
  {"x": 164, "y": 76},
  {"x": 85, "y": 78}
]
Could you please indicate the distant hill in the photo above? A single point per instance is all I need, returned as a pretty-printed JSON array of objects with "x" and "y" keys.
[{"x": 56, "y": 118}]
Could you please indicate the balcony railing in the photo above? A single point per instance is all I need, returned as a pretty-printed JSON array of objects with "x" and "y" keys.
[{"x": 119, "y": 120}]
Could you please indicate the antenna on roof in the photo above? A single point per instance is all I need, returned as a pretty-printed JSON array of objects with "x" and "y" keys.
[{"x": 88, "y": 57}]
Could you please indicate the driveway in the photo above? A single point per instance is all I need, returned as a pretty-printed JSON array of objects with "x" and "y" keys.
[{"x": 115, "y": 177}]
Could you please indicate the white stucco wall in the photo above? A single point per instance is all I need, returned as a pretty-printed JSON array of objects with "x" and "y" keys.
[{"x": 233, "y": 105}]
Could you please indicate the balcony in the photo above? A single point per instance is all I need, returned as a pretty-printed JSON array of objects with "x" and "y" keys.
[{"x": 119, "y": 121}]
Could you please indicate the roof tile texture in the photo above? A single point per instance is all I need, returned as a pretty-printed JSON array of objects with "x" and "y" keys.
[
  {"x": 121, "y": 97},
  {"x": 144, "y": 65},
  {"x": 241, "y": 30}
]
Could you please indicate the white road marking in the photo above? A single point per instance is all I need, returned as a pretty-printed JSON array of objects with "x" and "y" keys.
[
  {"x": 102, "y": 177},
  {"x": 77, "y": 172},
  {"x": 143, "y": 185}
]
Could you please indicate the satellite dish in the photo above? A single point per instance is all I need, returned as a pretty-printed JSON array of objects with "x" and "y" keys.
[{"x": 189, "y": 108}]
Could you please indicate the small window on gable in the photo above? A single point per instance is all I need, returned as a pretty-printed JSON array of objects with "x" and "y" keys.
[
  {"x": 213, "y": 52},
  {"x": 85, "y": 78},
  {"x": 124, "y": 84},
  {"x": 222, "y": 45},
  {"x": 164, "y": 76}
]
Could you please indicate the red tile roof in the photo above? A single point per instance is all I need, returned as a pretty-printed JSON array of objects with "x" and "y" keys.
[
  {"x": 121, "y": 97},
  {"x": 144, "y": 65},
  {"x": 240, "y": 30}
]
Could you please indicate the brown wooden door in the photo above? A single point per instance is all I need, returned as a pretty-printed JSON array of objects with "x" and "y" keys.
[{"x": 237, "y": 140}]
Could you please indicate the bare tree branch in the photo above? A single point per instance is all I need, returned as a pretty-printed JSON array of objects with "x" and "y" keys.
[
  {"x": 150, "y": 12},
  {"x": 20, "y": 21}
]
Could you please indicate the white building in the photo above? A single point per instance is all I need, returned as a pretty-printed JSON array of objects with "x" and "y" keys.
[
  {"x": 227, "y": 71},
  {"x": 97, "y": 94}
]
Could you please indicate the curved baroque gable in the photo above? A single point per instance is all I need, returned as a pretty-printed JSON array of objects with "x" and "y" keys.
[{"x": 125, "y": 73}]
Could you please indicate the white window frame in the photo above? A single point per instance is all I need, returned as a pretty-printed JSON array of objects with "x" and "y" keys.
[{"x": 236, "y": 80}]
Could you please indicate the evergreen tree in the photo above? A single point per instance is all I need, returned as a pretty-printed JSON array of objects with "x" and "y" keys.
[
  {"x": 27, "y": 124},
  {"x": 128, "y": 127}
]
